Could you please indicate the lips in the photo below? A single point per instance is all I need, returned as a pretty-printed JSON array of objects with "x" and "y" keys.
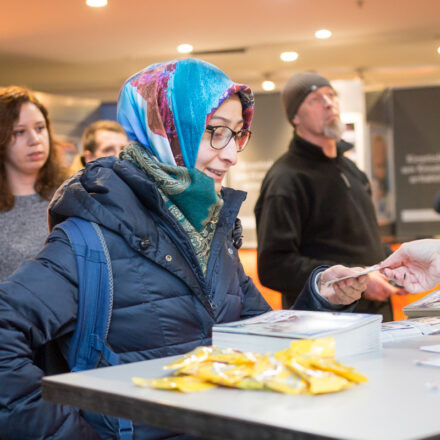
[
  {"x": 216, "y": 174},
  {"x": 36, "y": 156}
]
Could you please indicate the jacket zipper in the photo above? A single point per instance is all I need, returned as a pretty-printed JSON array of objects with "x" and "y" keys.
[
  {"x": 345, "y": 179},
  {"x": 110, "y": 276}
]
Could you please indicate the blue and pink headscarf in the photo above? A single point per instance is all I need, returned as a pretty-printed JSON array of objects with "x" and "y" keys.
[{"x": 166, "y": 107}]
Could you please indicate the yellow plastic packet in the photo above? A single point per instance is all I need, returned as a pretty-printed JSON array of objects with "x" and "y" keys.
[
  {"x": 323, "y": 347},
  {"x": 307, "y": 366},
  {"x": 287, "y": 383},
  {"x": 276, "y": 376},
  {"x": 185, "y": 384},
  {"x": 319, "y": 381},
  {"x": 337, "y": 368},
  {"x": 194, "y": 357},
  {"x": 221, "y": 374},
  {"x": 249, "y": 383},
  {"x": 213, "y": 354},
  {"x": 231, "y": 356}
]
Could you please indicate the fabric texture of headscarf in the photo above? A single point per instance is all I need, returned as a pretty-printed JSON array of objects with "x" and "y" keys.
[
  {"x": 179, "y": 188},
  {"x": 165, "y": 109}
]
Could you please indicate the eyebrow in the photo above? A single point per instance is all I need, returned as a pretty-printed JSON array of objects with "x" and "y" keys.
[
  {"x": 226, "y": 119},
  {"x": 24, "y": 125}
]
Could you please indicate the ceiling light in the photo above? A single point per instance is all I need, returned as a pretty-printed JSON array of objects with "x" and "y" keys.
[
  {"x": 289, "y": 56},
  {"x": 322, "y": 34},
  {"x": 268, "y": 85},
  {"x": 184, "y": 48},
  {"x": 96, "y": 3},
  {"x": 438, "y": 50}
]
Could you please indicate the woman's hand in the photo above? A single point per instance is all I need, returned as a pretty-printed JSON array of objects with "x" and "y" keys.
[
  {"x": 346, "y": 291},
  {"x": 415, "y": 265}
]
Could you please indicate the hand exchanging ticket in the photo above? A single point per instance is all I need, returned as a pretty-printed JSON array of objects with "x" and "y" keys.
[{"x": 356, "y": 275}]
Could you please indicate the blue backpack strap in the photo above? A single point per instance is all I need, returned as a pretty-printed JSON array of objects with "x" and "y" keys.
[
  {"x": 95, "y": 302},
  {"x": 95, "y": 297}
]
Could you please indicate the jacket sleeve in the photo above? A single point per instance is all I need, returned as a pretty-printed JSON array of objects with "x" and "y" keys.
[
  {"x": 37, "y": 304},
  {"x": 280, "y": 224},
  {"x": 310, "y": 299}
]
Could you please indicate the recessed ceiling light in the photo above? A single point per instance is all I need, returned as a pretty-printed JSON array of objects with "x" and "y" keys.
[
  {"x": 96, "y": 3},
  {"x": 323, "y": 34},
  {"x": 184, "y": 48},
  {"x": 438, "y": 50},
  {"x": 289, "y": 56},
  {"x": 268, "y": 85}
]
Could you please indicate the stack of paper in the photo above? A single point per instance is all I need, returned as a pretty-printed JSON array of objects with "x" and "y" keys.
[
  {"x": 429, "y": 305},
  {"x": 394, "y": 330},
  {"x": 354, "y": 333}
]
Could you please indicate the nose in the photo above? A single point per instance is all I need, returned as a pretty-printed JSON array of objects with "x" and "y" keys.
[
  {"x": 327, "y": 100},
  {"x": 34, "y": 137},
  {"x": 330, "y": 102},
  {"x": 229, "y": 154}
]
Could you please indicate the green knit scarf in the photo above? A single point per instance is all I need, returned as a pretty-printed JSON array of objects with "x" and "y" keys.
[{"x": 188, "y": 194}]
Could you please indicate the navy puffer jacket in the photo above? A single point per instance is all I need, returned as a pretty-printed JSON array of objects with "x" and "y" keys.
[{"x": 163, "y": 305}]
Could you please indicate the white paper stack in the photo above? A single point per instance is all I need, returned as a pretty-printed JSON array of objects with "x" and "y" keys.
[
  {"x": 354, "y": 333},
  {"x": 429, "y": 305},
  {"x": 395, "y": 330}
]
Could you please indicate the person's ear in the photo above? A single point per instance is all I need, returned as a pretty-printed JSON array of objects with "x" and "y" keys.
[
  {"x": 295, "y": 120},
  {"x": 88, "y": 156}
]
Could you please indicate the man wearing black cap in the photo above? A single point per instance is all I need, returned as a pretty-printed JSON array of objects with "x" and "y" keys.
[{"x": 315, "y": 205}]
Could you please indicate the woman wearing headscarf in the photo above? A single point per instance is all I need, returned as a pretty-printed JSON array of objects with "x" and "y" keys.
[{"x": 169, "y": 228}]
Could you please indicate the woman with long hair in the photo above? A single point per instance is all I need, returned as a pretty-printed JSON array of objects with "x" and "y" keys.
[
  {"x": 170, "y": 229},
  {"x": 29, "y": 175}
]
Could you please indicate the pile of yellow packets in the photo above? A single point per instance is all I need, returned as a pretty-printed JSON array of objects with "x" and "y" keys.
[{"x": 306, "y": 367}]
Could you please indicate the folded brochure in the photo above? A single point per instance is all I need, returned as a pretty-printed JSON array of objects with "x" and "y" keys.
[{"x": 356, "y": 275}]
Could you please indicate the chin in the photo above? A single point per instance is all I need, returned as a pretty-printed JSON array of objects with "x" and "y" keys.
[{"x": 334, "y": 129}]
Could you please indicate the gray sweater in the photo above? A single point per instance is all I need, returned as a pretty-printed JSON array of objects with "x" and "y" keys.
[{"x": 23, "y": 230}]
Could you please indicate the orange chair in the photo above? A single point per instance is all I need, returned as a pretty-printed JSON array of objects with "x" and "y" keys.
[
  {"x": 248, "y": 259},
  {"x": 400, "y": 301}
]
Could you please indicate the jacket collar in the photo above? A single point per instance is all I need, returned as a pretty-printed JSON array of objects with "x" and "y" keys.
[{"x": 301, "y": 146}]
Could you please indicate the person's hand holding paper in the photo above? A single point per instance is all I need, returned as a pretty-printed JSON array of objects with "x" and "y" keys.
[
  {"x": 342, "y": 285},
  {"x": 415, "y": 265},
  {"x": 378, "y": 288},
  {"x": 355, "y": 274}
]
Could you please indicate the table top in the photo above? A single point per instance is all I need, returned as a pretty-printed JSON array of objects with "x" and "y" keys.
[{"x": 395, "y": 404}]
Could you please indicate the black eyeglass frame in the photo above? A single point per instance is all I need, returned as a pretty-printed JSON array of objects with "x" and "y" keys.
[{"x": 212, "y": 128}]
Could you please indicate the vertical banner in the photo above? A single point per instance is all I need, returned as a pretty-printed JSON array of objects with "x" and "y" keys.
[
  {"x": 382, "y": 172},
  {"x": 416, "y": 132}
]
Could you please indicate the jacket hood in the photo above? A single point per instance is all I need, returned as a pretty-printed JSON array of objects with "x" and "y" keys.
[{"x": 109, "y": 192}]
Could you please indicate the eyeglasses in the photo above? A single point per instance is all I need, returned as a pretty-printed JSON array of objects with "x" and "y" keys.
[{"x": 222, "y": 135}]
